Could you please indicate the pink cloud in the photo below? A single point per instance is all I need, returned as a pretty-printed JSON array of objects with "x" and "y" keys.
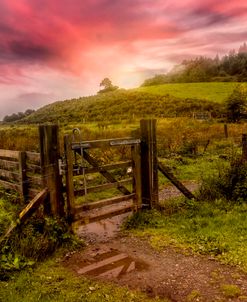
[{"x": 89, "y": 39}]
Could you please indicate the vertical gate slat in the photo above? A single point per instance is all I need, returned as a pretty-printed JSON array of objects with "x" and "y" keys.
[{"x": 69, "y": 177}]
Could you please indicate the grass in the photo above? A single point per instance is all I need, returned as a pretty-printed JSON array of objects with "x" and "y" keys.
[
  {"x": 212, "y": 91},
  {"x": 217, "y": 229},
  {"x": 9, "y": 207},
  {"x": 51, "y": 282},
  {"x": 230, "y": 290}
]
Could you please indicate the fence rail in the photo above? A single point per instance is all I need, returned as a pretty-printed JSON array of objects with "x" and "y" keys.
[{"x": 21, "y": 171}]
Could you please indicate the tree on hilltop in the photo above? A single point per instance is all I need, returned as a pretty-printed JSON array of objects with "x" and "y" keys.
[{"x": 107, "y": 84}]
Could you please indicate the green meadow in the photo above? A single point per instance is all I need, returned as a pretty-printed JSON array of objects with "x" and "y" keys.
[{"x": 212, "y": 91}]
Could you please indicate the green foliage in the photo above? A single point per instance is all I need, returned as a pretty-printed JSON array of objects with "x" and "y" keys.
[
  {"x": 122, "y": 105},
  {"x": 216, "y": 92},
  {"x": 108, "y": 87},
  {"x": 143, "y": 219},
  {"x": 231, "y": 67},
  {"x": 230, "y": 183},
  {"x": 9, "y": 207},
  {"x": 33, "y": 242},
  {"x": 236, "y": 103},
  {"x": 17, "y": 116}
]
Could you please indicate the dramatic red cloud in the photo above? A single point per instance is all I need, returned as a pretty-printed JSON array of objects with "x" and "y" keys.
[{"x": 45, "y": 44}]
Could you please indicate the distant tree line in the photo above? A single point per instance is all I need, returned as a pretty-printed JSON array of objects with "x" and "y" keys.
[
  {"x": 17, "y": 116},
  {"x": 229, "y": 68}
]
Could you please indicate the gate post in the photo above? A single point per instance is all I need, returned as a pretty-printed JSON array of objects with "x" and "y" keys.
[
  {"x": 49, "y": 155},
  {"x": 244, "y": 147},
  {"x": 149, "y": 164},
  {"x": 69, "y": 177}
]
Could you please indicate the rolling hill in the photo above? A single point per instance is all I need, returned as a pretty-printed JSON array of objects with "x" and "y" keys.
[{"x": 166, "y": 100}]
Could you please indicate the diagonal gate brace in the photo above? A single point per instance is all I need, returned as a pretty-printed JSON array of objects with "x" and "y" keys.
[
  {"x": 175, "y": 181},
  {"x": 103, "y": 171}
]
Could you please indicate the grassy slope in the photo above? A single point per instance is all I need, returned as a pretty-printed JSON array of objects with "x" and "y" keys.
[
  {"x": 162, "y": 100},
  {"x": 211, "y": 91}
]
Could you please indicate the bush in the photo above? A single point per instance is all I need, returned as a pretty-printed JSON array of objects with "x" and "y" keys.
[
  {"x": 229, "y": 183},
  {"x": 33, "y": 242}
]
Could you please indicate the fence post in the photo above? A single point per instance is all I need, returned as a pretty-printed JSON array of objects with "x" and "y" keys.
[
  {"x": 23, "y": 175},
  {"x": 226, "y": 130},
  {"x": 49, "y": 155},
  {"x": 69, "y": 177},
  {"x": 149, "y": 164},
  {"x": 244, "y": 147}
]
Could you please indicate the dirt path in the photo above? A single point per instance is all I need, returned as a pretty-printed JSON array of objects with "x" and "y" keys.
[
  {"x": 115, "y": 256},
  {"x": 172, "y": 274},
  {"x": 171, "y": 191}
]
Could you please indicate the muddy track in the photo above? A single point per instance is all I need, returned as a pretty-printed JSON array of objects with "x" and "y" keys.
[{"x": 174, "y": 274}]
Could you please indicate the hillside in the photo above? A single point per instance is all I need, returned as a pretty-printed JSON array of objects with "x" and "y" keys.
[
  {"x": 167, "y": 100},
  {"x": 212, "y": 91}
]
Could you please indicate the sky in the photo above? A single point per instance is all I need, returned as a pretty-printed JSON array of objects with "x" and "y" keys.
[{"x": 54, "y": 50}]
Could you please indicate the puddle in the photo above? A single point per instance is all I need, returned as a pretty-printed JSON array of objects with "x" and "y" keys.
[
  {"x": 111, "y": 264},
  {"x": 103, "y": 230}
]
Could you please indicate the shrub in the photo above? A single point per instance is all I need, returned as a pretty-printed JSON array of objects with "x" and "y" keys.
[
  {"x": 229, "y": 183},
  {"x": 32, "y": 242}
]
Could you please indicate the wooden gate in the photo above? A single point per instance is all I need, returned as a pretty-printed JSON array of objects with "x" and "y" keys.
[
  {"x": 86, "y": 169},
  {"x": 123, "y": 176}
]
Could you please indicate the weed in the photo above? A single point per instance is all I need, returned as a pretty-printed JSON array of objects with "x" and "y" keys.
[
  {"x": 230, "y": 290},
  {"x": 33, "y": 242},
  {"x": 193, "y": 296}
]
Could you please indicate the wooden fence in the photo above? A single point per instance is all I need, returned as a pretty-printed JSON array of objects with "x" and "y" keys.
[
  {"x": 32, "y": 173},
  {"x": 21, "y": 171}
]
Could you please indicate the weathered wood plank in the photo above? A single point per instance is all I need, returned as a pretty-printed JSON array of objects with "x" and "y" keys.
[
  {"x": 9, "y": 165},
  {"x": 9, "y": 175},
  {"x": 175, "y": 181},
  {"x": 9, "y": 185},
  {"x": 33, "y": 205},
  {"x": 98, "y": 188},
  {"x": 23, "y": 175},
  {"x": 9, "y": 154},
  {"x": 102, "y": 203},
  {"x": 36, "y": 180},
  {"x": 105, "y": 143},
  {"x": 33, "y": 157},
  {"x": 113, "y": 212},
  {"x": 119, "y": 165},
  {"x": 35, "y": 169},
  {"x": 102, "y": 171}
]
